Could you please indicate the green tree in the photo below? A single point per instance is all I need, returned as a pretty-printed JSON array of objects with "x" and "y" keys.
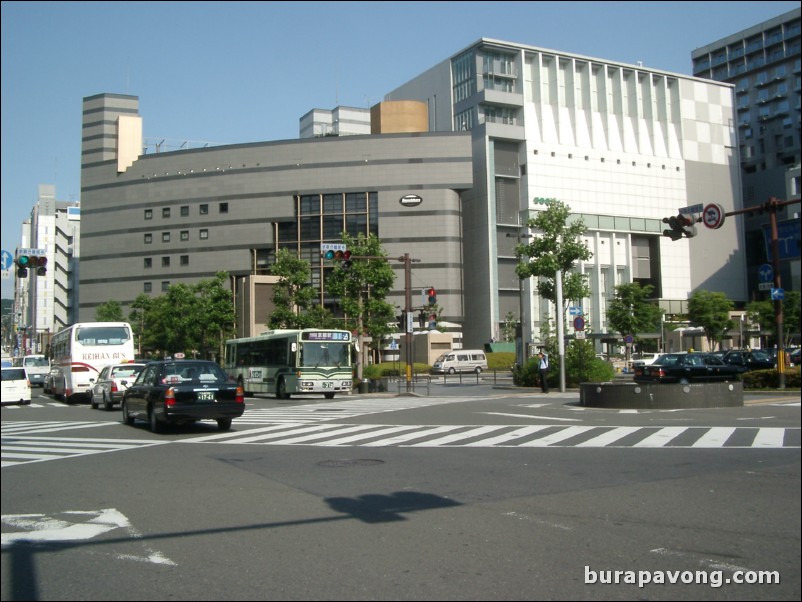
[
  {"x": 631, "y": 312},
  {"x": 791, "y": 315},
  {"x": 761, "y": 314},
  {"x": 293, "y": 295},
  {"x": 710, "y": 310},
  {"x": 110, "y": 311},
  {"x": 362, "y": 289},
  {"x": 557, "y": 245},
  {"x": 192, "y": 319}
]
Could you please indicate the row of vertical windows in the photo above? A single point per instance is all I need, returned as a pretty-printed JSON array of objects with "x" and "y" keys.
[
  {"x": 182, "y": 260},
  {"x": 184, "y": 210},
  {"x": 203, "y": 234},
  {"x": 147, "y": 287}
]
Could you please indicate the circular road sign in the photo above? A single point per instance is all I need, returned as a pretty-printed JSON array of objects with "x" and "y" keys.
[
  {"x": 579, "y": 323},
  {"x": 713, "y": 216}
]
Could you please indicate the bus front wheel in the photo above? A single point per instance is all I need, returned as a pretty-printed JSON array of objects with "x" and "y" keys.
[{"x": 281, "y": 391}]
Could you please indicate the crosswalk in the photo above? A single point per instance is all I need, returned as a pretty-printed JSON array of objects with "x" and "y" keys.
[
  {"x": 326, "y": 425},
  {"x": 421, "y": 435},
  {"x": 27, "y": 441}
]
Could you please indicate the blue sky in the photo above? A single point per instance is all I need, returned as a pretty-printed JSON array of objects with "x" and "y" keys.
[{"x": 231, "y": 72}]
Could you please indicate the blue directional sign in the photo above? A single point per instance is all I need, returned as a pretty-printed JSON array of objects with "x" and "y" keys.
[
  {"x": 777, "y": 294},
  {"x": 7, "y": 260},
  {"x": 574, "y": 311},
  {"x": 765, "y": 273}
]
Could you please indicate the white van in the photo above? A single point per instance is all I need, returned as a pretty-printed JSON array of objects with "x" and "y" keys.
[
  {"x": 37, "y": 367},
  {"x": 460, "y": 360},
  {"x": 16, "y": 388}
]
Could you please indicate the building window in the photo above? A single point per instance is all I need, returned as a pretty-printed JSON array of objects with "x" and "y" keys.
[
  {"x": 204, "y": 209},
  {"x": 165, "y": 285},
  {"x": 148, "y": 262},
  {"x": 165, "y": 237},
  {"x": 184, "y": 260},
  {"x": 223, "y": 207},
  {"x": 185, "y": 211},
  {"x": 148, "y": 238},
  {"x": 204, "y": 234},
  {"x": 148, "y": 213},
  {"x": 166, "y": 212},
  {"x": 165, "y": 262},
  {"x": 147, "y": 287},
  {"x": 184, "y": 234}
]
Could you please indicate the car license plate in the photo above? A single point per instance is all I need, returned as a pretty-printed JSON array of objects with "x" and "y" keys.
[
  {"x": 205, "y": 395},
  {"x": 328, "y": 384}
]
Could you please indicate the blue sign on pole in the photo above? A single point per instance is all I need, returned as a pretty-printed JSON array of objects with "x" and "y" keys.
[
  {"x": 788, "y": 237},
  {"x": 765, "y": 273},
  {"x": 7, "y": 260}
]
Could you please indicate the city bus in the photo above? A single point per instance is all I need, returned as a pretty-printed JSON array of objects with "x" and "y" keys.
[
  {"x": 292, "y": 362},
  {"x": 79, "y": 352}
]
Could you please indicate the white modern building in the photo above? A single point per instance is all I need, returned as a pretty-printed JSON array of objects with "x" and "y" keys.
[
  {"x": 624, "y": 146},
  {"x": 46, "y": 302}
]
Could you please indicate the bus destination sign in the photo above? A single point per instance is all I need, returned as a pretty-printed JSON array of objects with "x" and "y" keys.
[{"x": 326, "y": 335}]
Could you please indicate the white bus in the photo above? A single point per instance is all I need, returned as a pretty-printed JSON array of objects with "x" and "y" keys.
[
  {"x": 289, "y": 362},
  {"x": 79, "y": 352}
]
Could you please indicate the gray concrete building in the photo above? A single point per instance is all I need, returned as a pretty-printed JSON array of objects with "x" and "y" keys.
[
  {"x": 149, "y": 221},
  {"x": 764, "y": 62}
]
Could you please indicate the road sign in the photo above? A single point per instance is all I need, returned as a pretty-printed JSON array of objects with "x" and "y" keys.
[
  {"x": 691, "y": 209},
  {"x": 328, "y": 246},
  {"x": 7, "y": 260},
  {"x": 777, "y": 294},
  {"x": 579, "y": 323},
  {"x": 765, "y": 273},
  {"x": 574, "y": 311},
  {"x": 629, "y": 339},
  {"x": 713, "y": 216}
]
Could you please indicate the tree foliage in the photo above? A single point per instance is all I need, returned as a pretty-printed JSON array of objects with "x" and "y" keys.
[
  {"x": 294, "y": 296},
  {"x": 110, "y": 311},
  {"x": 557, "y": 245},
  {"x": 192, "y": 319},
  {"x": 363, "y": 288},
  {"x": 631, "y": 312},
  {"x": 710, "y": 310}
]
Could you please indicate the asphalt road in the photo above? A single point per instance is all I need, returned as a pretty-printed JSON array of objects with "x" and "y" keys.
[{"x": 467, "y": 493}]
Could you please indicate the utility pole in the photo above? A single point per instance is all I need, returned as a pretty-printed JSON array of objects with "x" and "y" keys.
[{"x": 772, "y": 206}]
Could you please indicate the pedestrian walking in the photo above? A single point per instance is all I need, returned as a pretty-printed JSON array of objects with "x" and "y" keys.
[{"x": 543, "y": 370}]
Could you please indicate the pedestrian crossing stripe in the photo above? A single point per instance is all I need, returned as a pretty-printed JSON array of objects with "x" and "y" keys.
[
  {"x": 28, "y": 449},
  {"x": 388, "y": 435}
]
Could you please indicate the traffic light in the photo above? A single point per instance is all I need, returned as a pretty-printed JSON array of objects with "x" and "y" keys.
[
  {"x": 679, "y": 226},
  {"x": 346, "y": 259},
  {"x": 22, "y": 262},
  {"x": 33, "y": 262},
  {"x": 432, "y": 296}
]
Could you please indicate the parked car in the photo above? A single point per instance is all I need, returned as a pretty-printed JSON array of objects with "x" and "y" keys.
[
  {"x": 645, "y": 359},
  {"x": 754, "y": 359},
  {"x": 111, "y": 383},
  {"x": 795, "y": 356},
  {"x": 686, "y": 368},
  {"x": 182, "y": 392},
  {"x": 16, "y": 387}
]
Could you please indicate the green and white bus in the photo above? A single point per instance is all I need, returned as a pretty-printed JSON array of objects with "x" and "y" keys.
[{"x": 292, "y": 362}]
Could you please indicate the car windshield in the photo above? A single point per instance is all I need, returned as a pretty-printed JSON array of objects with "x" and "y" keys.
[
  {"x": 35, "y": 362},
  {"x": 761, "y": 356}
]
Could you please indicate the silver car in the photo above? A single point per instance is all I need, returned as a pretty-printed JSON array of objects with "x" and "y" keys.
[{"x": 111, "y": 383}]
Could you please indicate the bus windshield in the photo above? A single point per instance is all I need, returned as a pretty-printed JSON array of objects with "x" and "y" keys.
[
  {"x": 101, "y": 335},
  {"x": 314, "y": 355}
]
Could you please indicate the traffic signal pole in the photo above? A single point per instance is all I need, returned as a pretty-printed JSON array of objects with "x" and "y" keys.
[
  {"x": 772, "y": 206},
  {"x": 407, "y": 261}
]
